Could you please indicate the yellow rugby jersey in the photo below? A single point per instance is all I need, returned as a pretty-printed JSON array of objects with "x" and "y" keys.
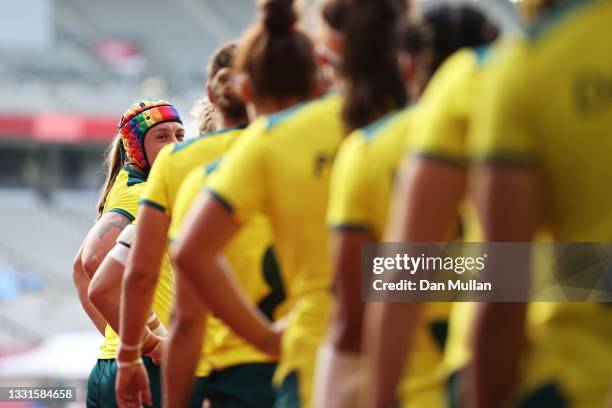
[
  {"x": 172, "y": 165},
  {"x": 441, "y": 132},
  {"x": 175, "y": 161},
  {"x": 124, "y": 194},
  {"x": 365, "y": 168},
  {"x": 281, "y": 168},
  {"x": 123, "y": 199},
  {"x": 552, "y": 108},
  {"x": 251, "y": 257}
]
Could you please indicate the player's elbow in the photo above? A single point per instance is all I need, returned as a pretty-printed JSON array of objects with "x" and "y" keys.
[
  {"x": 184, "y": 321},
  {"x": 140, "y": 277},
  {"x": 184, "y": 256},
  {"x": 90, "y": 264},
  {"x": 98, "y": 295},
  {"x": 78, "y": 273}
]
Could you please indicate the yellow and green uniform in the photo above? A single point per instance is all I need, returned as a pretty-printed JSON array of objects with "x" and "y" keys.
[
  {"x": 447, "y": 107},
  {"x": 123, "y": 199},
  {"x": 251, "y": 257},
  {"x": 552, "y": 110},
  {"x": 172, "y": 165},
  {"x": 281, "y": 168},
  {"x": 365, "y": 168},
  {"x": 446, "y": 115}
]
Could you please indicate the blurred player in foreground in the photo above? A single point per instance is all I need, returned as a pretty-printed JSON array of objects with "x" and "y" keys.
[
  {"x": 372, "y": 93},
  {"x": 431, "y": 187},
  {"x": 543, "y": 150},
  {"x": 366, "y": 167}
]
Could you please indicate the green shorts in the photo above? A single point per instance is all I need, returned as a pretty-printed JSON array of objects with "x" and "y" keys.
[
  {"x": 239, "y": 386},
  {"x": 101, "y": 384},
  {"x": 546, "y": 396},
  {"x": 288, "y": 394}
]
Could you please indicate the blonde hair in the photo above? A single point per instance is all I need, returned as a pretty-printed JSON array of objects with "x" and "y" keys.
[
  {"x": 115, "y": 159},
  {"x": 204, "y": 113}
]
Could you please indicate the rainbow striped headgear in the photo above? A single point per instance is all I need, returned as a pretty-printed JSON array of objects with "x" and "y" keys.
[{"x": 137, "y": 121}]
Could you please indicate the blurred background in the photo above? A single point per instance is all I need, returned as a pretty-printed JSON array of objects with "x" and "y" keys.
[{"x": 68, "y": 70}]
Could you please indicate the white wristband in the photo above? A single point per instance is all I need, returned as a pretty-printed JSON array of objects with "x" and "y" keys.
[
  {"x": 160, "y": 331},
  {"x": 123, "y": 364},
  {"x": 119, "y": 253},
  {"x": 127, "y": 235},
  {"x": 152, "y": 318},
  {"x": 135, "y": 347}
]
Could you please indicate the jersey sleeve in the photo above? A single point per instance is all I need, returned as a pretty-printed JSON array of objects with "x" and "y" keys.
[
  {"x": 348, "y": 199},
  {"x": 156, "y": 193},
  {"x": 440, "y": 132},
  {"x": 239, "y": 181},
  {"x": 125, "y": 200},
  {"x": 187, "y": 194},
  {"x": 502, "y": 130}
]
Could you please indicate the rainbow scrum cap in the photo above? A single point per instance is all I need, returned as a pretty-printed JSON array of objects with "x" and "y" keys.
[{"x": 137, "y": 121}]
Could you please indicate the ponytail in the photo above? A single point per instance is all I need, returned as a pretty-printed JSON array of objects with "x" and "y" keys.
[
  {"x": 114, "y": 162},
  {"x": 277, "y": 58},
  {"x": 456, "y": 27},
  {"x": 204, "y": 113},
  {"x": 223, "y": 57},
  {"x": 203, "y": 110},
  {"x": 443, "y": 31},
  {"x": 374, "y": 83},
  {"x": 334, "y": 13}
]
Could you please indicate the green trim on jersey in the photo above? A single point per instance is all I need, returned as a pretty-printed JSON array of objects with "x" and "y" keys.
[
  {"x": 350, "y": 227},
  {"x": 180, "y": 146},
  {"x": 152, "y": 204},
  {"x": 555, "y": 15},
  {"x": 225, "y": 130},
  {"x": 134, "y": 176},
  {"x": 226, "y": 204},
  {"x": 212, "y": 166},
  {"x": 281, "y": 116},
  {"x": 371, "y": 130},
  {"x": 122, "y": 212}
]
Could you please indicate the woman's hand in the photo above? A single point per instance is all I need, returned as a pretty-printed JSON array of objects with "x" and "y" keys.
[
  {"x": 156, "y": 351},
  {"x": 271, "y": 345},
  {"x": 132, "y": 385}
]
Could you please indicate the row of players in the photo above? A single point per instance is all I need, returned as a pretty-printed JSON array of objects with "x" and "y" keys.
[{"x": 390, "y": 128}]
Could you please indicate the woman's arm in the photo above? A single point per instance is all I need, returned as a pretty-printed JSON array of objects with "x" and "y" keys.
[
  {"x": 81, "y": 283},
  {"x": 425, "y": 210},
  {"x": 142, "y": 273},
  {"x": 105, "y": 290},
  {"x": 508, "y": 201},
  {"x": 100, "y": 239},
  {"x": 339, "y": 374},
  {"x": 346, "y": 326},
  {"x": 184, "y": 347},
  {"x": 209, "y": 227}
]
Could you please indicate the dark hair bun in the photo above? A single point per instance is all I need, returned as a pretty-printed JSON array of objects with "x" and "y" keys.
[
  {"x": 223, "y": 57},
  {"x": 279, "y": 16},
  {"x": 335, "y": 13}
]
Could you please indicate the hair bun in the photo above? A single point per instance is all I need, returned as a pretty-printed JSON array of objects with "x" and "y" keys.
[{"x": 279, "y": 16}]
